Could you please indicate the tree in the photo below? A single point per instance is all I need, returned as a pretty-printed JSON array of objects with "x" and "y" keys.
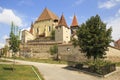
[
  {"x": 53, "y": 35},
  {"x": 94, "y": 38},
  {"x": 54, "y": 50},
  {"x": 14, "y": 41}
]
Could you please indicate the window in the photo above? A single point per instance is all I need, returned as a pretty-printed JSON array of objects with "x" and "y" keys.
[
  {"x": 37, "y": 30},
  {"x": 49, "y": 28}
]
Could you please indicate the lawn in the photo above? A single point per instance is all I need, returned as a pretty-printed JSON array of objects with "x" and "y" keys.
[
  {"x": 21, "y": 72},
  {"x": 50, "y": 61}
]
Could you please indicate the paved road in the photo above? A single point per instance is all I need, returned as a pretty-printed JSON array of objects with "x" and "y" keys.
[{"x": 61, "y": 72}]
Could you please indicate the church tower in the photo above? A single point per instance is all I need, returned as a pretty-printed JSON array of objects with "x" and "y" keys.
[
  {"x": 62, "y": 32},
  {"x": 45, "y": 24},
  {"x": 74, "y": 27}
]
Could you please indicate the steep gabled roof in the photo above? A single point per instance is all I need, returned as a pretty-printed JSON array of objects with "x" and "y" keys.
[
  {"x": 46, "y": 15},
  {"x": 74, "y": 22},
  {"x": 62, "y": 21}
]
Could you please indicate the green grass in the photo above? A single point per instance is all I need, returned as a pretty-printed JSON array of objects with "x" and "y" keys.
[
  {"x": 51, "y": 61},
  {"x": 118, "y": 64},
  {"x": 21, "y": 72}
]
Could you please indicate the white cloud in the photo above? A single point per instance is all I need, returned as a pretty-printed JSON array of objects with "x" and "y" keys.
[
  {"x": 78, "y": 2},
  {"x": 1, "y": 45},
  {"x": 1, "y": 8},
  {"x": 118, "y": 13},
  {"x": 5, "y": 37},
  {"x": 115, "y": 23},
  {"x": 25, "y": 2},
  {"x": 71, "y": 17},
  {"x": 7, "y": 16},
  {"x": 28, "y": 28},
  {"x": 108, "y": 4}
]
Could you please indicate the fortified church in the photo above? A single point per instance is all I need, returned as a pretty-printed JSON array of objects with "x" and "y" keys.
[
  {"x": 48, "y": 22},
  {"x": 37, "y": 40}
]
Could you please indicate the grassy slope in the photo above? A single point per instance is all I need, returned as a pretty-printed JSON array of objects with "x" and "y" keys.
[{"x": 20, "y": 73}]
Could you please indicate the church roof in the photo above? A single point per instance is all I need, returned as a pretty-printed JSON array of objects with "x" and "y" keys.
[
  {"x": 47, "y": 14},
  {"x": 74, "y": 22},
  {"x": 62, "y": 21}
]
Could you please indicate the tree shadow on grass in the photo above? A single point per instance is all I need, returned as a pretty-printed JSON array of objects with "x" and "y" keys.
[{"x": 8, "y": 68}]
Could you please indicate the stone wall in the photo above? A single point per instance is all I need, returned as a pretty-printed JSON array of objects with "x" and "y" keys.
[
  {"x": 65, "y": 51},
  {"x": 70, "y": 53},
  {"x": 113, "y": 54}
]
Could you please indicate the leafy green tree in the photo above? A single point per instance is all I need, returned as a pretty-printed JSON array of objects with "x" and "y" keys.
[
  {"x": 94, "y": 38},
  {"x": 53, "y": 35}
]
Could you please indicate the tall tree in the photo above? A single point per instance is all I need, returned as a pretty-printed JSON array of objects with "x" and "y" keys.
[
  {"x": 94, "y": 38},
  {"x": 14, "y": 41}
]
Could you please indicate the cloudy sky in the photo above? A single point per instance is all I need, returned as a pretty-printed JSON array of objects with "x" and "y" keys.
[{"x": 23, "y": 12}]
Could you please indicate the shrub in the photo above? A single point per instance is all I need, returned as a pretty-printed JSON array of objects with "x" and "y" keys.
[{"x": 101, "y": 66}]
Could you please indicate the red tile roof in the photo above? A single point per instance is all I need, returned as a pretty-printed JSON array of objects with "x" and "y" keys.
[
  {"x": 117, "y": 44},
  {"x": 46, "y": 15},
  {"x": 74, "y": 22},
  {"x": 62, "y": 21}
]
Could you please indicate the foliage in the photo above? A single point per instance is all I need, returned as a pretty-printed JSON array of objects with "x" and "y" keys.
[
  {"x": 101, "y": 66},
  {"x": 94, "y": 37},
  {"x": 53, "y": 35},
  {"x": 54, "y": 50},
  {"x": 97, "y": 62},
  {"x": 14, "y": 39}
]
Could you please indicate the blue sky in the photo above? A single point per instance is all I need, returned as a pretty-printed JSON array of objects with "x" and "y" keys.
[{"x": 23, "y": 12}]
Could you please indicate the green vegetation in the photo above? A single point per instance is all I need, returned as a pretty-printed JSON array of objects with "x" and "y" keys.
[
  {"x": 54, "y": 51},
  {"x": 14, "y": 41},
  {"x": 93, "y": 38},
  {"x": 117, "y": 64},
  {"x": 4, "y": 60},
  {"x": 50, "y": 61},
  {"x": 21, "y": 72},
  {"x": 53, "y": 35}
]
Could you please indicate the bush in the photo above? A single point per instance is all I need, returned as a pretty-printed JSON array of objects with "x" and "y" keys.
[
  {"x": 79, "y": 66},
  {"x": 101, "y": 67},
  {"x": 75, "y": 64}
]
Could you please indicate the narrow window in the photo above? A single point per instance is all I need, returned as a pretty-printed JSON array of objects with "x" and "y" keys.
[
  {"x": 49, "y": 28},
  {"x": 37, "y": 30}
]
